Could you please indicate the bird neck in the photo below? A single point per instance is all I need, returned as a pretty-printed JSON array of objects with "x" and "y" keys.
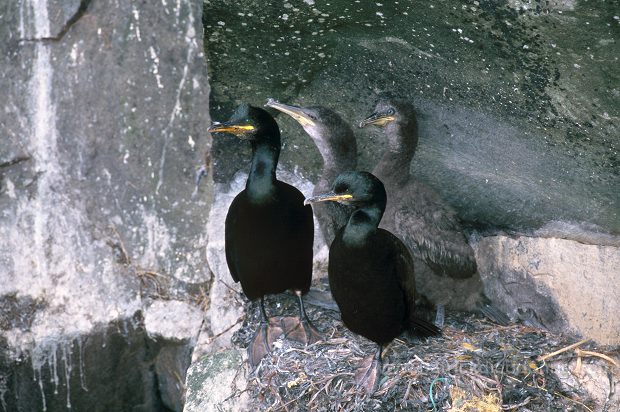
[
  {"x": 335, "y": 161},
  {"x": 396, "y": 160},
  {"x": 339, "y": 153},
  {"x": 362, "y": 224},
  {"x": 261, "y": 182}
]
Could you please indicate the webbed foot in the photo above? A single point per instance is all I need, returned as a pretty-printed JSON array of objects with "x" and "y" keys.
[
  {"x": 262, "y": 342},
  {"x": 368, "y": 373},
  {"x": 300, "y": 330}
]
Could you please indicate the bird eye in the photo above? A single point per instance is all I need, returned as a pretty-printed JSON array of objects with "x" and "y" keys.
[
  {"x": 391, "y": 112},
  {"x": 340, "y": 188}
]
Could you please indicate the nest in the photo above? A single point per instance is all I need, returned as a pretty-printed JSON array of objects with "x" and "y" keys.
[{"x": 474, "y": 366}]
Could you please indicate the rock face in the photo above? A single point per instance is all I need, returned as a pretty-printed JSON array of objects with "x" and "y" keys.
[
  {"x": 517, "y": 115},
  {"x": 517, "y": 110},
  {"x": 217, "y": 382},
  {"x": 560, "y": 284},
  {"x": 104, "y": 105}
]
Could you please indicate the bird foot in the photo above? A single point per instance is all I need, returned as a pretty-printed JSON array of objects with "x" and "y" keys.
[
  {"x": 300, "y": 330},
  {"x": 262, "y": 342},
  {"x": 368, "y": 373}
]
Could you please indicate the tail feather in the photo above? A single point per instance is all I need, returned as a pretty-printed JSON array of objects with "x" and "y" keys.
[
  {"x": 494, "y": 314},
  {"x": 423, "y": 328}
]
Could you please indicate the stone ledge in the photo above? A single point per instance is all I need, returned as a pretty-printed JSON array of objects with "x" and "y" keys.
[{"x": 560, "y": 284}]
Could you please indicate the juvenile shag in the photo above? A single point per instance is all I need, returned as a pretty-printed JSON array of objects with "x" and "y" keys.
[
  {"x": 420, "y": 217},
  {"x": 371, "y": 272},
  {"x": 337, "y": 145},
  {"x": 268, "y": 230}
]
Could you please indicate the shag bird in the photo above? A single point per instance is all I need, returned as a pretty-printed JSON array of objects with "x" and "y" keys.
[
  {"x": 268, "y": 231},
  {"x": 338, "y": 147},
  {"x": 420, "y": 217},
  {"x": 371, "y": 272},
  {"x": 435, "y": 221}
]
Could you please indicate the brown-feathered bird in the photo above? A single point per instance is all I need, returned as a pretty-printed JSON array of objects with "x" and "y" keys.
[
  {"x": 446, "y": 267},
  {"x": 338, "y": 147}
]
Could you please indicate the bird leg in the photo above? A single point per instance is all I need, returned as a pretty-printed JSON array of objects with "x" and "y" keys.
[
  {"x": 267, "y": 333},
  {"x": 300, "y": 328},
  {"x": 440, "y": 316},
  {"x": 368, "y": 373}
]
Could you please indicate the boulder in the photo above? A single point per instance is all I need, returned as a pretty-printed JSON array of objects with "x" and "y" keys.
[
  {"x": 560, "y": 284},
  {"x": 217, "y": 382}
]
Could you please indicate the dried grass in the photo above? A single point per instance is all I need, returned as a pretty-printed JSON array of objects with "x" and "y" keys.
[{"x": 475, "y": 366}]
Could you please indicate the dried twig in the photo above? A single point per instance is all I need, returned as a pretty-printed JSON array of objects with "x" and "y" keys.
[
  {"x": 565, "y": 349},
  {"x": 581, "y": 352},
  {"x": 516, "y": 405}
]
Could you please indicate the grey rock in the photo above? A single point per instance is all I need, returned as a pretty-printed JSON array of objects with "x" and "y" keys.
[
  {"x": 216, "y": 382},
  {"x": 171, "y": 367},
  {"x": 97, "y": 372},
  {"x": 101, "y": 124},
  {"x": 172, "y": 320},
  {"x": 594, "y": 378},
  {"x": 560, "y": 284},
  {"x": 175, "y": 326}
]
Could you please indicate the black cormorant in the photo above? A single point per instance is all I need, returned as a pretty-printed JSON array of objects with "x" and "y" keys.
[
  {"x": 337, "y": 145},
  {"x": 371, "y": 272},
  {"x": 420, "y": 217},
  {"x": 268, "y": 231}
]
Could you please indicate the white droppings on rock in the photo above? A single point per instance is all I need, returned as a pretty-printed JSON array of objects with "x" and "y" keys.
[
  {"x": 136, "y": 26},
  {"x": 10, "y": 188},
  {"x": 156, "y": 239}
]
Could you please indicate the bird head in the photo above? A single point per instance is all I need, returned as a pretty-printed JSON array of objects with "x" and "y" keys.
[
  {"x": 318, "y": 121},
  {"x": 358, "y": 189},
  {"x": 389, "y": 110},
  {"x": 330, "y": 133},
  {"x": 249, "y": 123}
]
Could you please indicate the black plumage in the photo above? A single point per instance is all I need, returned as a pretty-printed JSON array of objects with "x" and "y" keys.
[
  {"x": 371, "y": 272},
  {"x": 268, "y": 231}
]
